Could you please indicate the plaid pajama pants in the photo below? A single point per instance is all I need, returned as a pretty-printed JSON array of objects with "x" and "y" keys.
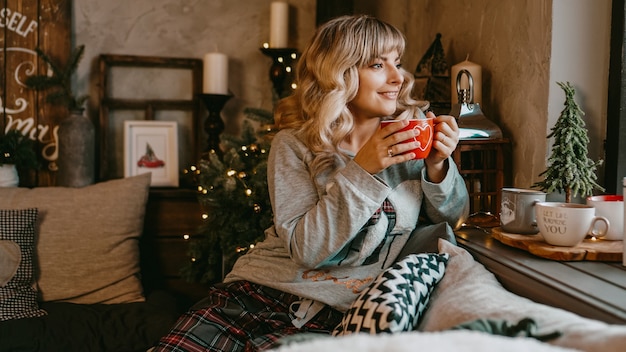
[{"x": 241, "y": 316}]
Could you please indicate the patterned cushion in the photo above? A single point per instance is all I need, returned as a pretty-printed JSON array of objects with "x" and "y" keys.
[
  {"x": 10, "y": 259},
  {"x": 396, "y": 300},
  {"x": 87, "y": 248},
  {"x": 18, "y": 297}
]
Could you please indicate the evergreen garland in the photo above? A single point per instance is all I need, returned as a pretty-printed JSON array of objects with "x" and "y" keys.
[
  {"x": 232, "y": 191},
  {"x": 18, "y": 149},
  {"x": 570, "y": 170}
]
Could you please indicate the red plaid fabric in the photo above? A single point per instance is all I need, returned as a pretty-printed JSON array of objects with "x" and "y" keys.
[{"x": 241, "y": 316}]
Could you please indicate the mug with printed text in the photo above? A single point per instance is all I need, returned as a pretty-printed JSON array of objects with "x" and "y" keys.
[{"x": 567, "y": 224}]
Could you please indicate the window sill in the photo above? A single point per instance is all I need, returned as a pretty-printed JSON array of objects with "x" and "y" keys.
[{"x": 595, "y": 290}]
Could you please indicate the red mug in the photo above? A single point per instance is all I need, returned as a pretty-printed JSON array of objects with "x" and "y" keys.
[{"x": 424, "y": 137}]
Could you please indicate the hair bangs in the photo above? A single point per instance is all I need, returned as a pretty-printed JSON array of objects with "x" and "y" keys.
[{"x": 379, "y": 38}]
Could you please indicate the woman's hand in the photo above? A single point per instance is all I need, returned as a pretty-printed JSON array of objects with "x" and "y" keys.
[
  {"x": 445, "y": 140},
  {"x": 385, "y": 148}
]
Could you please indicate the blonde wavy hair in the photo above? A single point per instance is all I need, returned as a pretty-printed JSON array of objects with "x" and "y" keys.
[{"x": 327, "y": 80}]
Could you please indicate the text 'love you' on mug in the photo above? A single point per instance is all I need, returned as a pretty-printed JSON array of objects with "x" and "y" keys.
[
  {"x": 567, "y": 224},
  {"x": 424, "y": 136}
]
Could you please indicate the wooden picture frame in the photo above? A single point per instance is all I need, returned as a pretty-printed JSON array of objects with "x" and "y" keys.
[
  {"x": 152, "y": 146},
  {"x": 153, "y": 89}
]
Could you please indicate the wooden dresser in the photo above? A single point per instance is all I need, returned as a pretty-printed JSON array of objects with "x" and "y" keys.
[{"x": 170, "y": 215}]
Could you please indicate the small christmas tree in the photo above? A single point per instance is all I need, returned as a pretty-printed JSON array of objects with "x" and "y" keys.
[
  {"x": 569, "y": 169},
  {"x": 234, "y": 196}
]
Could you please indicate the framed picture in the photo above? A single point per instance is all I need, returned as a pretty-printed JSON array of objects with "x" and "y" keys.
[
  {"x": 152, "y": 146},
  {"x": 150, "y": 88}
]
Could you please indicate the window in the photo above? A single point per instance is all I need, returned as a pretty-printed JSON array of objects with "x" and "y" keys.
[{"x": 615, "y": 168}]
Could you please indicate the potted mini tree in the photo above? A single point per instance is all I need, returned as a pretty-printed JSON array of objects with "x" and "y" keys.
[
  {"x": 16, "y": 153},
  {"x": 569, "y": 170}
]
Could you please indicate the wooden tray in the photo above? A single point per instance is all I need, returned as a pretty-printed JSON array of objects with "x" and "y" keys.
[{"x": 588, "y": 249}]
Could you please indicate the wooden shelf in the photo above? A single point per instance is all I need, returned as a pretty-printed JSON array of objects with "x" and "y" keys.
[{"x": 481, "y": 163}]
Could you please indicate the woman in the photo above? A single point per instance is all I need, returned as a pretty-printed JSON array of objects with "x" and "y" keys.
[{"x": 345, "y": 193}]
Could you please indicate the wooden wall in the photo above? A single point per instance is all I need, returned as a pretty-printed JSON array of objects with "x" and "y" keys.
[{"x": 25, "y": 25}]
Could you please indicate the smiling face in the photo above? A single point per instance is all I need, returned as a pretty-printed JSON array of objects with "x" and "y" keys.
[{"x": 379, "y": 84}]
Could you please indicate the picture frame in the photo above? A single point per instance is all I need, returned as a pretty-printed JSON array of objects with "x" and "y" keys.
[
  {"x": 172, "y": 94},
  {"x": 152, "y": 146}
]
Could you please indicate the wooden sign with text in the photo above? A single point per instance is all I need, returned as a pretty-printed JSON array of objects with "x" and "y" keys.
[{"x": 26, "y": 25}]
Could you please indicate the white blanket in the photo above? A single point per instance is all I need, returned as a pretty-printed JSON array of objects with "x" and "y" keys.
[
  {"x": 452, "y": 341},
  {"x": 467, "y": 292}
]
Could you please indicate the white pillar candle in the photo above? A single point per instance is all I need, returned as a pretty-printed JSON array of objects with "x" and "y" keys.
[
  {"x": 279, "y": 24},
  {"x": 215, "y": 80},
  {"x": 476, "y": 71}
]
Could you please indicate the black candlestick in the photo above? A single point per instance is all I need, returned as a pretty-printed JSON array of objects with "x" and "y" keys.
[
  {"x": 214, "y": 125},
  {"x": 282, "y": 70}
]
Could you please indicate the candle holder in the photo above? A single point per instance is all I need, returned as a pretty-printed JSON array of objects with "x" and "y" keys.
[
  {"x": 281, "y": 71},
  {"x": 214, "y": 125}
]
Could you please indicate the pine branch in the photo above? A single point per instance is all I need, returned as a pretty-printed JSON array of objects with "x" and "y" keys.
[
  {"x": 60, "y": 81},
  {"x": 56, "y": 70},
  {"x": 75, "y": 58}
]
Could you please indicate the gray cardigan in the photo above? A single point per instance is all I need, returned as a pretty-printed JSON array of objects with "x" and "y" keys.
[{"x": 326, "y": 245}]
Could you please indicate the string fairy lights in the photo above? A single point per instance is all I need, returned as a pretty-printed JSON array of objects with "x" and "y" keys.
[{"x": 232, "y": 191}]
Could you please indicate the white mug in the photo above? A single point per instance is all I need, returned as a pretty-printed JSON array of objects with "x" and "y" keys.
[
  {"x": 567, "y": 224},
  {"x": 612, "y": 208},
  {"x": 517, "y": 212}
]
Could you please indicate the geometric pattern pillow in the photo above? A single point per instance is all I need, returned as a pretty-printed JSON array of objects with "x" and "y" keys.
[
  {"x": 397, "y": 299},
  {"x": 18, "y": 296}
]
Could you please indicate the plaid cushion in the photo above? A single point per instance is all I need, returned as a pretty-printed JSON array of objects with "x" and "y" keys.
[{"x": 18, "y": 297}]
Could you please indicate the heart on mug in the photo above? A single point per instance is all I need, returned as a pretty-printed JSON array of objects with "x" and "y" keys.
[
  {"x": 424, "y": 133},
  {"x": 424, "y": 137}
]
